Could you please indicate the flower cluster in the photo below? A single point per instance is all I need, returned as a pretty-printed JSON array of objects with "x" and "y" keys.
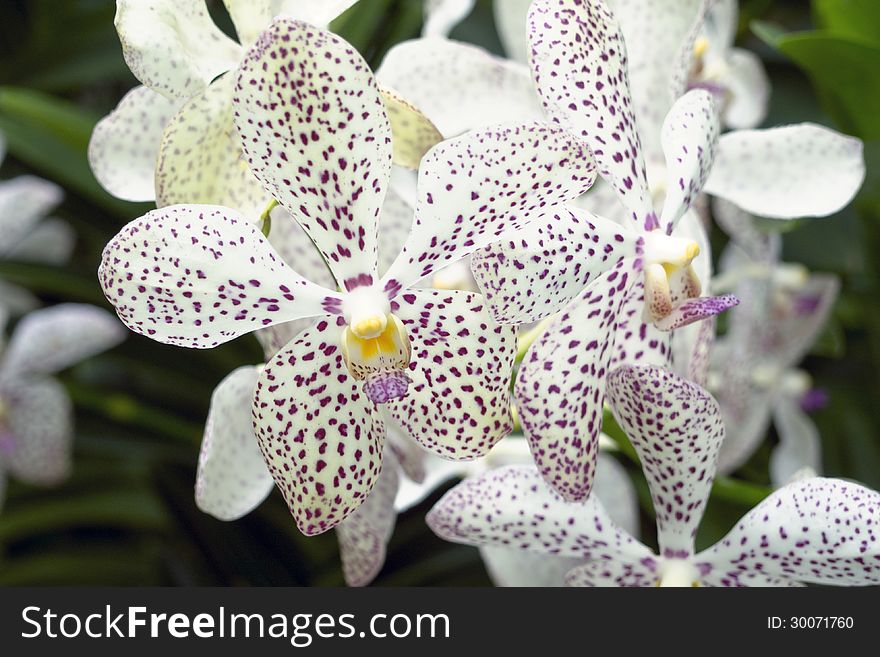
[{"x": 459, "y": 247}]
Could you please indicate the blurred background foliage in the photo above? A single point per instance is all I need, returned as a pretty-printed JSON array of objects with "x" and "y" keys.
[{"x": 127, "y": 515}]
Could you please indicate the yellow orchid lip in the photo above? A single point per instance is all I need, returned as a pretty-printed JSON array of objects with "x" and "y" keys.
[{"x": 378, "y": 353}]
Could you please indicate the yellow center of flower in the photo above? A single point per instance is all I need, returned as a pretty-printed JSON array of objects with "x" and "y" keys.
[
  {"x": 701, "y": 45},
  {"x": 670, "y": 278}
]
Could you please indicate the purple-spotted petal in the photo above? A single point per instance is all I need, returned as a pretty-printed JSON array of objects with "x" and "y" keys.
[
  {"x": 689, "y": 137},
  {"x": 628, "y": 573},
  {"x": 173, "y": 46},
  {"x": 319, "y": 433},
  {"x": 124, "y": 146},
  {"x": 692, "y": 350},
  {"x": 232, "y": 478},
  {"x": 579, "y": 64},
  {"x": 512, "y": 507},
  {"x": 676, "y": 428},
  {"x": 200, "y": 275},
  {"x": 458, "y": 404},
  {"x": 315, "y": 131},
  {"x": 560, "y": 390},
  {"x": 696, "y": 310},
  {"x": 200, "y": 158},
  {"x": 635, "y": 341},
  {"x": 363, "y": 536},
  {"x": 473, "y": 189},
  {"x": 23, "y": 202},
  {"x": 511, "y": 567},
  {"x": 802, "y": 170},
  {"x": 816, "y": 531},
  {"x": 539, "y": 270},
  {"x": 799, "y": 445},
  {"x": 55, "y": 338},
  {"x": 37, "y": 431}
]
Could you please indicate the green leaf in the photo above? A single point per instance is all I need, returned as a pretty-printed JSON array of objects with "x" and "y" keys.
[
  {"x": 854, "y": 19},
  {"x": 139, "y": 509},
  {"x": 844, "y": 73}
]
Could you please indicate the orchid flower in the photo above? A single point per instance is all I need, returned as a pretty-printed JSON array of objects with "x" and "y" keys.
[
  {"x": 510, "y": 566},
  {"x": 821, "y": 531},
  {"x": 172, "y": 140},
  {"x": 25, "y": 232},
  {"x": 754, "y": 367},
  {"x": 625, "y": 286},
  {"x": 198, "y": 276},
  {"x": 736, "y": 76},
  {"x": 36, "y": 415}
]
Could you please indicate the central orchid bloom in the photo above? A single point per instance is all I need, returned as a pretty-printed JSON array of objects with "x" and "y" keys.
[
  {"x": 36, "y": 416},
  {"x": 821, "y": 531},
  {"x": 316, "y": 133},
  {"x": 181, "y": 121}
]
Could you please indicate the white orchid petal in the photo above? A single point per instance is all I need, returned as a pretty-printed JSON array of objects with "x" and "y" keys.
[
  {"x": 511, "y": 21},
  {"x": 676, "y": 428},
  {"x": 458, "y": 404},
  {"x": 200, "y": 158},
  {"x": 459, "y": 86},
  {"x": 52, "y": 339},
  {"x": 795, "y": 171},
  {"x": 412, "y": 133},
  {"x": 37, "y": 431},
  {"x": 443, "y": 15},
  {"x": 50, "y": 242},
  {"x": 23, "y": 202},
  {"x": 232, "y": 479},
  {"x": 319, "y": 433},
  {"x": 172, "y": 46},
  {"x": 539, "y": 270},
  {"x": 689, "y": 137},
  {"x": 817, "y": 531},
  {"x": 749, "y": 90},
  {"x": 200, "y": 275},
  {"x": 124, "y": 147},
  {"x": 325, "y": 152},
  {"x": 560, "y": 390},
  {"x": 512, "y": 507},
  {"x": 477, "y": 187},
  {"x": 363, "y": 536},
  {"x": 799, "y": 448},
  {"x": 579, "y": 64}
]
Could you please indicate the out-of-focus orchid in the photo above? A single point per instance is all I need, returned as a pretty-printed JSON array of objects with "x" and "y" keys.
[
  {"x": 25, "y": 232},
  {"x": 198, "y": 276},
  {"x": 443, "y": 15},
  {"x": 36, "y": 416},
  {"x": 173, "y": 140},
  {"x": 754, "y": 367},
  {"x": 812, "y": 531},
  {"x": 736, "y": 76}
]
